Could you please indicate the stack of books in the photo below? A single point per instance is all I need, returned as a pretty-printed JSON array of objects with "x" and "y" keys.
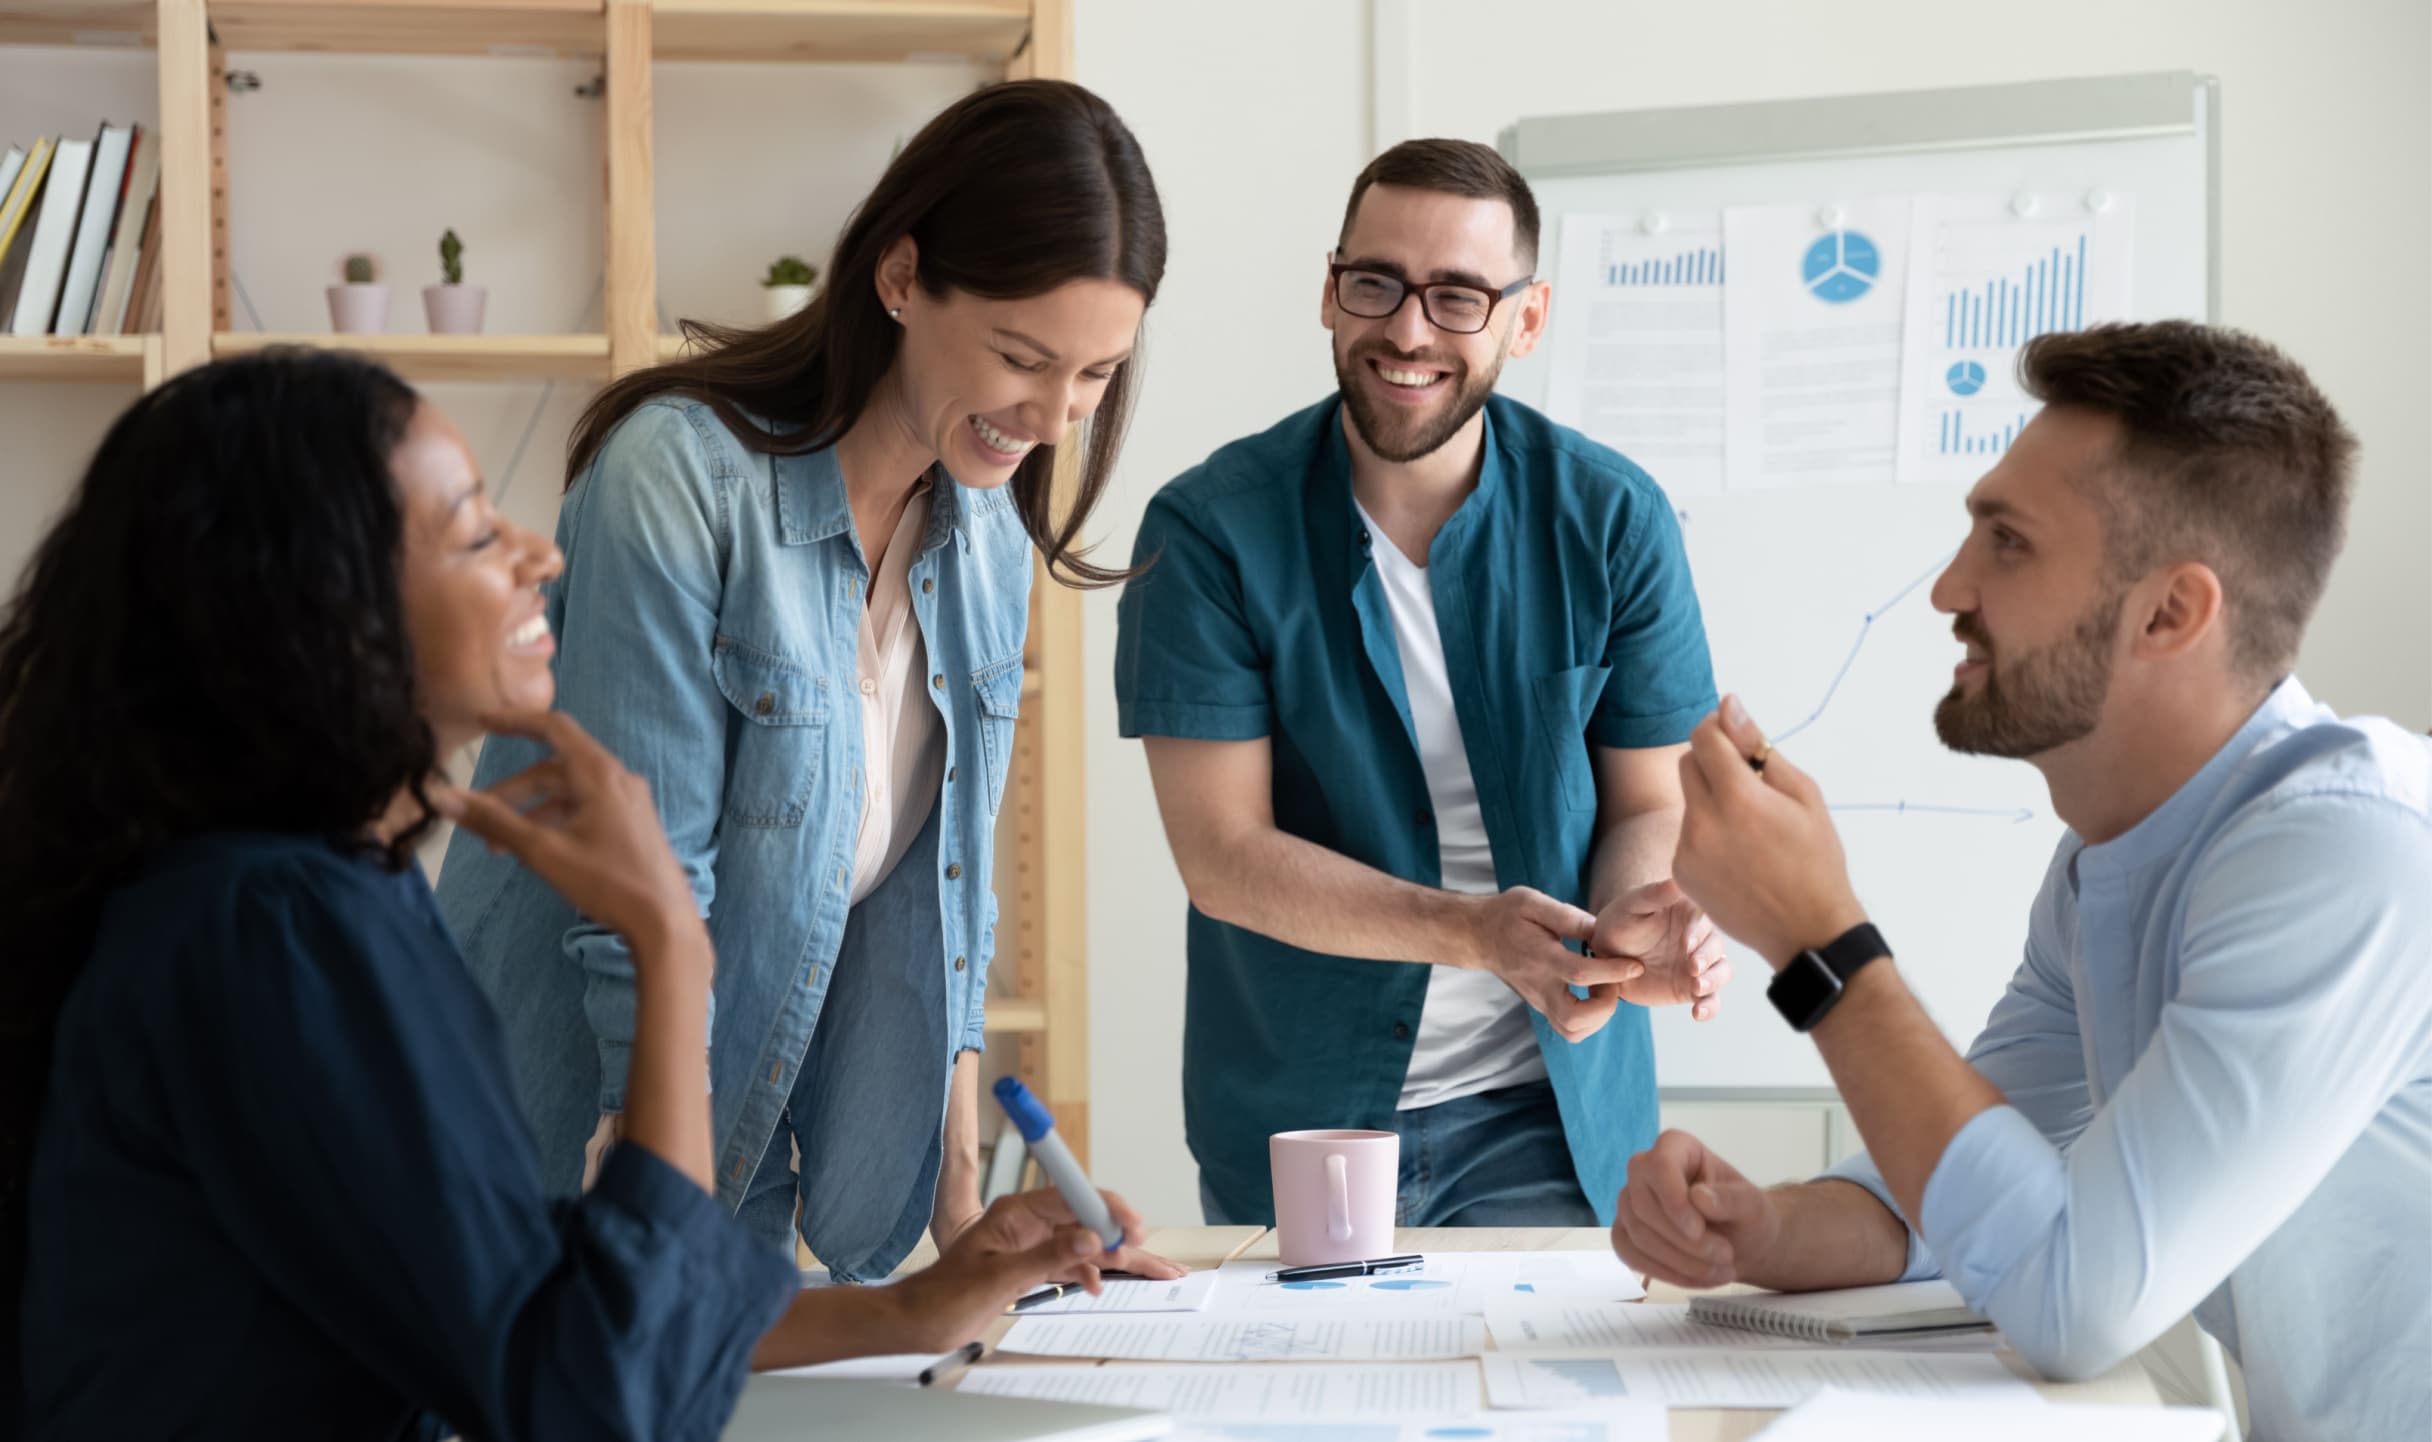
[{"x": 80, "y": 235}]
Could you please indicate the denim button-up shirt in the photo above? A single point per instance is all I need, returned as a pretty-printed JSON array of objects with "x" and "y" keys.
[{"x": 707, "y": 626}]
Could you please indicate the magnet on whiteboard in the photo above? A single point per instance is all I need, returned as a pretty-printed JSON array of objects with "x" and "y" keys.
[
  {"x": 1654, "y": 222},
  {"x": 1832, "y": 217},
  {"x": 2098, "y": 200},
  {"x": 2025, "y": 204}
]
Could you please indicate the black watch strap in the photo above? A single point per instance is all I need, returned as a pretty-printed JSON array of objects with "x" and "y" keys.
[{"x": 1806, "y": 990}]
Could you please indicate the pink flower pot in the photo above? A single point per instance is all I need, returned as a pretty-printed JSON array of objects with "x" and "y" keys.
[
  {"x": 454, "y": 309},
  {"x": 358, "y": 308}
]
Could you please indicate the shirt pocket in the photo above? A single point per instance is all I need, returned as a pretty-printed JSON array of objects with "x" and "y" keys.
[
  {"x": 996, "y": 690},
  {"x": 772, "y": 760},
  {"x": 1564, "y": 701}
]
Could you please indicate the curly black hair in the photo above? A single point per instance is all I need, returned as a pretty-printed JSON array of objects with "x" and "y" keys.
[{"x": 209, "y": 639}]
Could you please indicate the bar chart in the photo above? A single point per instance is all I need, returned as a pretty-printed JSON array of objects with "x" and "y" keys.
[
  {"x": 2047, "y": 293},
  {"x": 1967, "y": 432},
  {"x": 1701, "y": 265}
]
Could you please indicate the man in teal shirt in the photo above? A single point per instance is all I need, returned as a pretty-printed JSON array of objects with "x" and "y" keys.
[{"x": 1416, "y": 667}]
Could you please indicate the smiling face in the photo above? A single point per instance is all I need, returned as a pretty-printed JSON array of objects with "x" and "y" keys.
[
  {"x": 979, "y": 382},
  {"x": 470, "y": 583},
  {"x": 2030, "y": 595},
  {"x": 1408, "y": 385}
]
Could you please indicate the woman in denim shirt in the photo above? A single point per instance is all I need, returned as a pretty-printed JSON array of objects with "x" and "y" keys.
[
  {"x": 281, "y": 1186},
  {"x": 797, "y": 583}
]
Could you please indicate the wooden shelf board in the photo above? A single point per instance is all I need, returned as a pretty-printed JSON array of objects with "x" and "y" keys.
[
  {"x": 1016, "y": 1015},
  {"x": 49, "y": 358},
  {"x": 839, "y": 30},
  {"x": 988, "y": 31},
  {"x": 451, "y": 357}
]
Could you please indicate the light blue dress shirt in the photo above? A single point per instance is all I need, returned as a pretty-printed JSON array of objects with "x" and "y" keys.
[{"x": 2218, "y": 1060}]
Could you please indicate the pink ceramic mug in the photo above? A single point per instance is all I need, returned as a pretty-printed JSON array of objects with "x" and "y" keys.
[{"x": 1334, "y": 1194}]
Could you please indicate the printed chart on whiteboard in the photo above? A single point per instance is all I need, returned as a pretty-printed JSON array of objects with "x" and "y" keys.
[
  {"x": 1990, "y": 273},
  {"x": 1642, "y": 370}
]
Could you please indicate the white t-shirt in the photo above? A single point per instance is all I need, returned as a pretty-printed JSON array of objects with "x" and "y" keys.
[{"x": 1474, "y": 1032}]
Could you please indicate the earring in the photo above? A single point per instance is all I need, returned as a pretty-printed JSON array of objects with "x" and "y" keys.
[{"x": 897, "y": 314}]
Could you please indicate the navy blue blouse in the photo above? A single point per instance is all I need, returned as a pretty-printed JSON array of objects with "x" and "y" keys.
[{"x": 282, "y": 1188}]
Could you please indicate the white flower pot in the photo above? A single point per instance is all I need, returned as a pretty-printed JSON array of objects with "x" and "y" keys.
[
  {"x": 454, "y": 309},
  {"x": 784, "y": 300},
  {"x": 358, "y": 308}
]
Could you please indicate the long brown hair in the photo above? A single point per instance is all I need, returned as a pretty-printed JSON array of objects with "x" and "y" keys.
[{"x": 1008, "y": 193}]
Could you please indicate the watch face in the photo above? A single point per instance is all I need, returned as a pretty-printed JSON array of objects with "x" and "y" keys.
[{"x": 1804, "y": 990}]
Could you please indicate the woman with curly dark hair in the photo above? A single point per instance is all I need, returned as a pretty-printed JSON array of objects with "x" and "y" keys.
[{"x": 262, "y": 1172}]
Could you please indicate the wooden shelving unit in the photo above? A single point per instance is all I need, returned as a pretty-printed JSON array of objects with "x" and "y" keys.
[{"x": 1041, "y": 882}]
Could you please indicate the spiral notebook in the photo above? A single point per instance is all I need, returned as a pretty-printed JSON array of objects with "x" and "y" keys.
[{"x": 1903, "y": 1311}]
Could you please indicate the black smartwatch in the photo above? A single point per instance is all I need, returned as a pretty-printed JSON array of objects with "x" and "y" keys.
[{"x": 1805, "y": 991}]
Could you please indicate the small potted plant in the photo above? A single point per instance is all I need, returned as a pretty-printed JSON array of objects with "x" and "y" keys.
[
  {"x": 787, "y": 286},
  {"x": 454, "y": 308},
  {"x": 360, "y": 305}
]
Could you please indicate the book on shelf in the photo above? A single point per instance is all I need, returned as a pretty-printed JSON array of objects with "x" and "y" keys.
[
  {"x": 11, "y": 166},
  {"x": 14, "y": 237},
  {"x": 54, "y": 231},
  {"x": 126, "y": 238},
  {"x": 97, "y": 218},
  {"x": 143, "y": 293}
]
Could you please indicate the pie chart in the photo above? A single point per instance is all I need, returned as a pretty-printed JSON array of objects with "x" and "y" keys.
[
  {"x": 1840, "y": 267},
  {"x": 1966, "y": 378}
]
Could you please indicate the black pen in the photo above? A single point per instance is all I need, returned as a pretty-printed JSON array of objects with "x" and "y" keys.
[
  {"x": 952, "y": 1362},
  {"x": 1039, "y": 1298},
  {"x": 1346, "y": 1269}
]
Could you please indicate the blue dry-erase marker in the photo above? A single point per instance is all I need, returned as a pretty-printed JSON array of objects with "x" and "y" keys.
[{"x": 1038, "y": 1128}]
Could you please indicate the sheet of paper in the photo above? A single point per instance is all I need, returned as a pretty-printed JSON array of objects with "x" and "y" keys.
[
  {"x": 1634, "y": 1422},
  {"x": 1837, "y": 1416},
  {"x": 1184, "y": 1338},
  {"x": 1989, "y": 273},
  {"x": 1812, "y": 310},
  {"x": 1637, "y": 342},
  {"x": 1747, "y": 1377},
  {"x": 1185, "y": 1294},
  {"x": 1451, "y": 1284},
  {"x": 1522, "y": 1324},
  {"x": 905, "y": 1369},
  {"x": 1428, "y": 1391}
]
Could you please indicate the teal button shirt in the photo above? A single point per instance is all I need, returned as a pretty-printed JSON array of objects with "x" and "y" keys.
[{"x": 1564, "y": 603}]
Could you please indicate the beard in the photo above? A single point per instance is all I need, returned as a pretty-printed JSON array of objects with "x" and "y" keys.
[
  {"x": 1402, "y": 436},
  {"x": 2050, "y": 698}
]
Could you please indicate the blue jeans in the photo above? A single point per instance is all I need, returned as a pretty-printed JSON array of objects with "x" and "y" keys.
[{"x": 1495, "y": 1159}]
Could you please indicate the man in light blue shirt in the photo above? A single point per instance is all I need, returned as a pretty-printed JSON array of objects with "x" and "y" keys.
[{"x": 2209, "y": 1087}]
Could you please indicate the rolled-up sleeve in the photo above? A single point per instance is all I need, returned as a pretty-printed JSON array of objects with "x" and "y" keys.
[
  {"x": 1187, "y": 663},
  {"x": 644, "y": 575},
  {"x": 358, "y": 1139},
  {"x": 2302, "y": 1005},
  {"x": 1663, "y": 676}
]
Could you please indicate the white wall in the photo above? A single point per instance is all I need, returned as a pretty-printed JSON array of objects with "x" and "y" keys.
[
  {"x": 2327, "y": 135},
  {"x": 1254, "y": 115}
]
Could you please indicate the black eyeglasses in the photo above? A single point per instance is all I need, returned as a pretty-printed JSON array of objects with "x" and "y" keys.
[{"x": 1448, "y": 305}]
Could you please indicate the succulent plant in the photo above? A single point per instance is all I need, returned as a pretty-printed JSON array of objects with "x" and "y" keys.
[
  {"x": 359, "y": 270},
  {"x": 451, "y": 258},
  {"x": 790, "y": 270}
]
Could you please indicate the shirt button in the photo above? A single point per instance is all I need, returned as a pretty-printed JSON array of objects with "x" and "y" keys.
[
  {"x": 958, "y": 963},
  {"x": 1425, "y": 819},
  {"x": 949, "y": 773},
  {"x": 1401, "y": 1031},
  {"x": 927, "y": 586},
  {"x": 868, "y": 687},
  {"x": 766, "y": 703},
  {"x": 954, "y": 871},
  {"x": 937, "y": 683}
]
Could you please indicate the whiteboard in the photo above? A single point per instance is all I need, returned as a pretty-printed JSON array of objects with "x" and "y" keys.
[{"x": 1815, "y": 599}]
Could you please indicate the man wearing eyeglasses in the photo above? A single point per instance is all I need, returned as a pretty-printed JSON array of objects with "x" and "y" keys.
[{"x": 1416, "y": 668}]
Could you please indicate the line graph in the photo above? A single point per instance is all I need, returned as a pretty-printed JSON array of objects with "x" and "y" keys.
[
  {"x": 1858, "y": 645},
  {"x": 2014, "y": 815}
]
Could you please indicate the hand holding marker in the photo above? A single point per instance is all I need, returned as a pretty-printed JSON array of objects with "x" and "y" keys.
[{"x": 1038, "y": 1128}]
